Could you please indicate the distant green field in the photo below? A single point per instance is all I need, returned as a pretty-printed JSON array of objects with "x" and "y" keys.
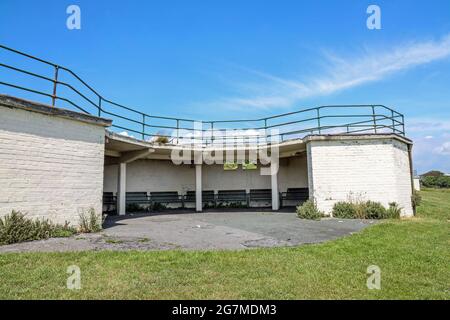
[{"x": 413, "y": 255}]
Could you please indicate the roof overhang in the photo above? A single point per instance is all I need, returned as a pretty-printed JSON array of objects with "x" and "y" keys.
[
  {"x": 126, "y": 149},
  {"x": 117, "y": 146}
]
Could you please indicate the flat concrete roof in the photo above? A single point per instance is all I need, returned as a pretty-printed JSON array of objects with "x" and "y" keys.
[
  {"x": 117, "y": 145},
  {"x": 17, "y": 103}
]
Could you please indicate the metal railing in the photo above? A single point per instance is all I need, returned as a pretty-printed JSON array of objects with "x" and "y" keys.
[{"x": 338, "y": 119}]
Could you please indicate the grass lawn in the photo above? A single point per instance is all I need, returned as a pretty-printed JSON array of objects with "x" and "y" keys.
[{"x": 413, "y": 254}]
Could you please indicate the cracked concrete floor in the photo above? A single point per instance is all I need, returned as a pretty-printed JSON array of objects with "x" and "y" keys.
[{"x": 200, "y": 231}]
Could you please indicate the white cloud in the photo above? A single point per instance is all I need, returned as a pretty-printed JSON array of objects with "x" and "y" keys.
[
  {"x": 126, "y": 134},
  {"x": 443, "y": 149},
  {"x": 430, "y": 153},
  {"x": 427, "y": 125},
  {"x": 341, "y": 73}
]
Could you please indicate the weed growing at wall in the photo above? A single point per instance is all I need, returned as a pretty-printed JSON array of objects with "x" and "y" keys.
[
  {"x": 89, "y": 222},
  {"x": 309, "y": 210},
  {"x": 394, "y": 211},
  {"x": 366, "y": 210},
  {"x": 344, "y": 210},
  {"x": 16, "y": 227}
]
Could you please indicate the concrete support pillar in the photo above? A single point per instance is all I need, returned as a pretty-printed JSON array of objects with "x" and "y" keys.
[
  {"x": 121, "y": 189},
  {"x": 275, "y": 193},
  {"x": 198, "y": 187}
]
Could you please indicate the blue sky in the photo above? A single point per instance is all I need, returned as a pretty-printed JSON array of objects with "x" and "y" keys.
[{"x": 240, "y": 59}]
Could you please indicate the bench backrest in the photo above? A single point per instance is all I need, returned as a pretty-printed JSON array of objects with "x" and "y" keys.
[
  {"x": 164, "y": 196},
  {"x": 108, "y": 198},
  {"x": 107, "y": 195},
  {"x": 190, "y": 196},
  {"x": 228, "y": 195},
  {"x": 136, "y": 197},
  {"x": 260, "y": 194},
  {"x": 297, "y": 194},
  {"x": 207, "y": 196}
]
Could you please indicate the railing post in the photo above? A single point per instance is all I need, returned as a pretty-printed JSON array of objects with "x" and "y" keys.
[
  {"x": 143, "y": 126},
  {"x": 212, "y": 132},
  {"x": 265, "y": 129},
  {"x": 403, "y": 125},
  {"x": 55, "y": 83},
  {"x": 393, "y": 121},
  {"x": 178, "y": 131},
  {"x": 374, "y": 120},
  {"x": 318, "y": 119},
  {"x": 99, "y": 106}
]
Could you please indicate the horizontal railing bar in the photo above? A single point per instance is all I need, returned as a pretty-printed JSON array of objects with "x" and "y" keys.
[
  {"x": 79, "y": 93},
  {"x": 207, "y": 137},
  {"x": 121, "y": 117},
  {"x": 146, "y": 115},
  {"x": 81, "y": 80},
  {"x": 28, "y": 55},
  {"x": 324, "y": 117},
  {"x": 123, "y": 128},
  {"x": 24, "y": 88},
  {"x": 26, "y": 72},
  {"x": 72, "y": 103}
]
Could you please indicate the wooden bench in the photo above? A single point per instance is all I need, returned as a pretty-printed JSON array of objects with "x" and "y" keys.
[
  {"x": 137, "y": 201},
  {"x": 166, "y": 197},
  {"x": 298, "y": 195},
  {"x": 208, "y": 196},
  {"x": 256, "y": 195},
  {"x": 140, "y": 198},
  {"x": 232, "y": 196}
]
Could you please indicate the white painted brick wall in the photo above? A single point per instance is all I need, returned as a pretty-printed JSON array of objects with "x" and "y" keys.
[
  {"x": 375, "y": 170},
  {"x": 49, "y": 166}
]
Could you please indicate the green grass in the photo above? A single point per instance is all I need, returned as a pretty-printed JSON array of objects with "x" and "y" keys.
[
  {"x": 435, "y": 204},
  {"x": 413, "y": 255}
]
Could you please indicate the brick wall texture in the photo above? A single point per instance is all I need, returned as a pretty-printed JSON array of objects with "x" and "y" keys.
[{"x": 50, "y": 166}]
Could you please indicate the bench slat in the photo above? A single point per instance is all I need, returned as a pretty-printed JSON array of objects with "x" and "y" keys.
[
  {"x": 229, "y": 195},
  {"x": 165, "y": 196},
  {"x": 136, "y": 197},
  {"x": 260, "y": 194},
  {"x": 295, "y": 194},
  {"x": 207, "y": 196}
]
